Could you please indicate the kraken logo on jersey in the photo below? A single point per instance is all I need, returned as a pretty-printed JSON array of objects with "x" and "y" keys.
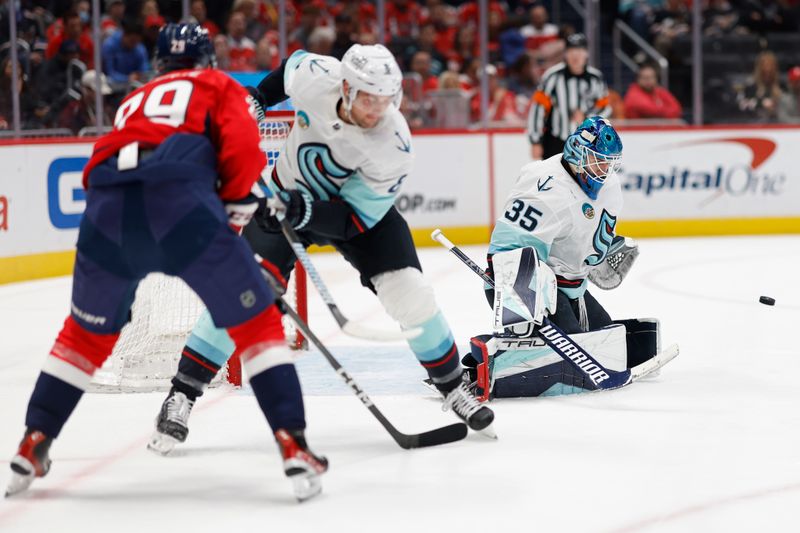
[
  {"x": 318, "y": 169},
  {"x": 588, "y": 211},
  {"x": 602, "y": 238}
]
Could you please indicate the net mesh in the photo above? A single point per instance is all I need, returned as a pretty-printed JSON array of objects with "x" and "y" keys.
[{"x": 165, "y": 311}]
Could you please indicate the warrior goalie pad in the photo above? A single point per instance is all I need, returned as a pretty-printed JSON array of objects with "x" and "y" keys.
[
  {"x": 621, "y": 255},
  {"x": 514, "y": 367},
  {"x": 525, "y": 289}
]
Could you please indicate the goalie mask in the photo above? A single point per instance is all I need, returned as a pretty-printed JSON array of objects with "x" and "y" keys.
[
  {"x": 594, "y": 151},
  {"x": 371, "y": 69}
]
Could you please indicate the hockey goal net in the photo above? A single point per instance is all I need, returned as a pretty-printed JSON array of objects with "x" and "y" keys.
[{"x": 165, "y": 312}]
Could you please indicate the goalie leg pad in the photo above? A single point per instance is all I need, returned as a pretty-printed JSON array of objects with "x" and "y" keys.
[{"x": 643, "y": 339}]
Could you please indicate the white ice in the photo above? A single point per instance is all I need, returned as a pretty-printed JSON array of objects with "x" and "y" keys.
[{"x": 710, "y": 445}]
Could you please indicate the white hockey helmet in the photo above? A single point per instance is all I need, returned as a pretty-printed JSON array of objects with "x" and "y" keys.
[{"x": 372, "y": 69}]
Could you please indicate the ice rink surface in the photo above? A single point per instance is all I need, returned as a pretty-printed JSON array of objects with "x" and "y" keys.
[{"x": 711, "y": 445}]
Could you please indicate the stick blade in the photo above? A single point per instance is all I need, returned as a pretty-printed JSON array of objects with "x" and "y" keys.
[
  {"x": 361, "y": 332},
  {"x": 434, "y": 437}
]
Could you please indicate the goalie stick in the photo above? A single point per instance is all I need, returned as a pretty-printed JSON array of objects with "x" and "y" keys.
[
  {"x": 434, "y": 437},
  {"x": 568, "y": 349},
  {"x": 347, "y": 326}
]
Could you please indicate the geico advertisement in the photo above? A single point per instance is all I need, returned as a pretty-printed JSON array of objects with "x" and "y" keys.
[
  {"x": 689, "y": 174},
  {"x": 41, "y": 197},
  {"x": 449, "y": 183},
  {"x": 710, "y": 174}
]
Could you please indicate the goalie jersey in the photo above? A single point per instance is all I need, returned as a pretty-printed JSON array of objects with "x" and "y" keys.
[
  {"x": 330, "y": 159},
  {"x": 549, "y": 211}
]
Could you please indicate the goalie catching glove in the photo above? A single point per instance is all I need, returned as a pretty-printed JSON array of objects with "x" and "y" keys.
[
  {"x": 525, "y": 289},
  {"x": 621, "y": 255},
  {"x": 293, "y": 205}
]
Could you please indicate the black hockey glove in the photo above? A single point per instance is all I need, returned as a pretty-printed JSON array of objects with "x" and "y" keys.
[
  {"x": 256, "y": 104},
  {"x": 292, "y": 205}
]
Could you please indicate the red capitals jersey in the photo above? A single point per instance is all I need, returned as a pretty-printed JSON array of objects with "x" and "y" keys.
[{"x": 203, "y": 101}]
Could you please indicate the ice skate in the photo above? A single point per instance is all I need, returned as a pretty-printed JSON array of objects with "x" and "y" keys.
[
  {"x": 172, "y": 423},
  {"x": 300, "y": 464},
  {"x": 464, "y": 404},
  {"x": 32, "y": 461}
]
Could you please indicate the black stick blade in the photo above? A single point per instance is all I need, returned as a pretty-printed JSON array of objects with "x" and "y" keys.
[{"x": 435, "y": 437}]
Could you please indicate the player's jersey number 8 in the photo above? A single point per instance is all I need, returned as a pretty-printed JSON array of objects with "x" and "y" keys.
[
  {"x": 523, "y": 214},
  {"x": 166, "y": 104}
]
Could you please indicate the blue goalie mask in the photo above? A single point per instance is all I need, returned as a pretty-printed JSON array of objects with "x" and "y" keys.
[
  {"x": 594, "y": 150},
  {"x": 184, "y": 46}
]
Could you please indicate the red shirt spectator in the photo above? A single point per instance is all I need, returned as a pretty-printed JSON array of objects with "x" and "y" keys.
[
  {"x": 403, "y": 18},
  {"x": 363, "y": 13},
  {"x": 112, "y": 20},
  {"x": 73, "y": 30},
  {"x": 242, "y": 52},
  {"x": 200, "y": 14},
  {"x": 646, "y": 99},
  {"x": 468, "y": 12},
  {"x": 539, "y": 30}
]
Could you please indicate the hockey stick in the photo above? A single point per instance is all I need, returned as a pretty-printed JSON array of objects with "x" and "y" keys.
[
  {"x": 348, "y": 326},
  {"x": 556, "y": 339},
  {"x": 434, "y": 437}
]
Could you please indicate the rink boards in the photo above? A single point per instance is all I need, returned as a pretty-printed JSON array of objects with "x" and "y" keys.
[{"x": 687, "y": 181}]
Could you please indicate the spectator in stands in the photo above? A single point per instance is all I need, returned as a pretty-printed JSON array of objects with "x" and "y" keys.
[
  {"x": 80, "y": 113},
  {"x": 125, "y": 58},
  {"x": 465, "y": 47},
  {"x": 222, "y": 51},
  {"x": 242, "y": 49},
  {"x": 74, "y": 31},
  {"x": 421, "y": 64},
  {"x": 521, "y": 80},
  {"x": 199, "y": 13},
  {"x": 426, "y": 42},
  {"x": 443, "y": 18},
  {"x": 254, "y": 28},
  {"x": 345, "y": 35},
  {"x": 647, "y": 99},
  {"x": 321, "y": 40},
  {"x": 502, "y": 103},
  {"x": 112, "y": 20},
  {"x": 152, "y": 25},
  {"x": 671, "y": 22},
  {"x": 361, "y": 12},
  {"x": 721, "y": 18},
  {"x": 539, "y": 30},
  {"x": 149, "y": 7},
  {"x": 28, "y": 117},
  {"x": 789, "y": 106},
  {"x": 311, "y": 16},
  {"x": 51, "y": 82},
  {"x": 266, "y": 54},
  {"x": 763, "y": 16},
  {"x": 403, "y": 18},
  {"x": 760, "y": 97}
]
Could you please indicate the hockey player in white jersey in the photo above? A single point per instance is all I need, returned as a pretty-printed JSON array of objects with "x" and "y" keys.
[
  {"x": 557, "y": 231},
  {"x": 343, "y": 164}
]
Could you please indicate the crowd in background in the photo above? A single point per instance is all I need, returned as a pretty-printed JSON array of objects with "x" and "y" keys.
[{"x": 436, "y": 43}]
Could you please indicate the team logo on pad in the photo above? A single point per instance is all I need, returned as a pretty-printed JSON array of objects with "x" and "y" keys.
[{"x": 588, "y": 211}]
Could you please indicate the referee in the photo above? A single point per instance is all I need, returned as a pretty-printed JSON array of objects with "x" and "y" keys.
[{"x": 568, "y": 93}]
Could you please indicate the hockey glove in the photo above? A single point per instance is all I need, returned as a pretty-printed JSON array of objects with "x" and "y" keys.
[
  {"x": 293, "y": 205},
  {"x": 621, "y": 255},
  {"x": 256, "y": 108},
  {"x": 241, "y": 211}
]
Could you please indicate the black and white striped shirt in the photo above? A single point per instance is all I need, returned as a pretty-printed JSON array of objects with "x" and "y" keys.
[{"x": 559, "y": 94}]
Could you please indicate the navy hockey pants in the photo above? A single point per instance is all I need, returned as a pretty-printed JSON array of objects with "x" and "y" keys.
[{"x": 163, "y": 216}]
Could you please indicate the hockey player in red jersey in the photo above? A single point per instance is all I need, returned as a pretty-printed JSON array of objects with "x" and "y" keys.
[{"x": 165, "y": 191}]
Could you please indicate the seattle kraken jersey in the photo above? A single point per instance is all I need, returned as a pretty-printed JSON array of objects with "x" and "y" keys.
[
  {"x": 330, "y": 159},
  {"x": 548, "y": 210}
]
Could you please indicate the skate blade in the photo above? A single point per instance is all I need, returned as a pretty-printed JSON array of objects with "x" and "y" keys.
[
  {"x": 19, "y": 483},
  {"x": 161, "y": 444},
  {"x": 306, "y": 486},
  {"x": 488, "y": 432}
]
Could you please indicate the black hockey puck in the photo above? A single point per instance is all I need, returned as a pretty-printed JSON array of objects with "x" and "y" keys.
[{"x": 766, "y": 300}]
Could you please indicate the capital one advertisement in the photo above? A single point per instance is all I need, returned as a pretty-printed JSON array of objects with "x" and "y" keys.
[{"x": 689, "y": 174}]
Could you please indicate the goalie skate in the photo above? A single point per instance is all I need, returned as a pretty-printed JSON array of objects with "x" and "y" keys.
[
  {"x": 32, "y": 461},
  {"x": 464, "y": 404},
  {"x": 172, "y": 423},
  {"x": 300, "y": 464}
]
